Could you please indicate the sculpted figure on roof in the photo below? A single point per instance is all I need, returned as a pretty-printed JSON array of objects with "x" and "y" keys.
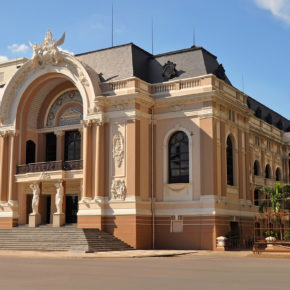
[{"x": 47, "y": 51}]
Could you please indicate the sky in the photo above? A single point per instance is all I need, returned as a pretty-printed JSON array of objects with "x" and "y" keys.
[{"x": 251, "y": 38}]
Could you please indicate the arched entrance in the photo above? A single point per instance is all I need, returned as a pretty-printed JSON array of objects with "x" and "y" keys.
[{"x": 45, "y": 151}]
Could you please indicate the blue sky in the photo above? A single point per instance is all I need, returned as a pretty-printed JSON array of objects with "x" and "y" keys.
[{"x": 250, "y": 37}]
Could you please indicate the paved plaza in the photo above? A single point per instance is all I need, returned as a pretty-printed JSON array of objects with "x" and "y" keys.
[{"x": 165, "y": 270}]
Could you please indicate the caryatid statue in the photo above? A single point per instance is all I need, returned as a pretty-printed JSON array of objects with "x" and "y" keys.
[
  {"x": 35, "y": 199},
  {"x": 59, "y": 197}
]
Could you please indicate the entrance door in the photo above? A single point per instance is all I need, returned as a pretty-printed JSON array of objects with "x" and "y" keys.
[
  {"x": 28, "y": 206},
  {"x": 48, "y": 209},
  {"x": 45, "y": 209},
  {"x": 71, "y": 209}
]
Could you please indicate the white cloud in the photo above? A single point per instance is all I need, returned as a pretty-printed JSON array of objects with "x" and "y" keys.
[
  {"x": 3, "y": 58},
  {"x": 279, "y": 8},
  {"x": 15, "y": 48}
]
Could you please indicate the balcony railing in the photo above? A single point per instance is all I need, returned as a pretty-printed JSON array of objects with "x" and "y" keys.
[{"x": 49, "y": 166}]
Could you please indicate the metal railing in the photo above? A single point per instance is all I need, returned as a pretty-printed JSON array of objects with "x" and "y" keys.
[{"x": 49, "y": 166}]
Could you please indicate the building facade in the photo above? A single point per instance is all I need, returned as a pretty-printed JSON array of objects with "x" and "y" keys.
[{"x": 159, "y": 150}]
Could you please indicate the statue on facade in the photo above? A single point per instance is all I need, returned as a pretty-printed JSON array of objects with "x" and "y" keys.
[
  {"x": 59, "y": 197},
  {"x": 47, "y": 51},
  {"x": 35, "y": 199}
]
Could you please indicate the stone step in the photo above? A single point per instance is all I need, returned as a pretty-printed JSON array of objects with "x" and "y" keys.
[{"x": 66, "y": 238}]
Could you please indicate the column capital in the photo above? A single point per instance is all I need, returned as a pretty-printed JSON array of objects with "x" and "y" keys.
[
  {"x": 7, "y": 133},
  {"x": 59, "y": 132},
  {"x": 97, "y": 122},
  {"x": 86, "y": 123}
]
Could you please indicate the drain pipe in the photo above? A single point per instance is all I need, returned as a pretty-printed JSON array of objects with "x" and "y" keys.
[{"x": 152, "y": 178}]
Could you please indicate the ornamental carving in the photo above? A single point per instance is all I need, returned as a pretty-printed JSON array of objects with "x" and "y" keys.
[
  {"x": 169, "y": 70},
  {"x": 118, "y": 148},
  {"x": 121, "y": 107},
  {"x": 176, "y": 108},
  {"x": 47, "y": 51},
  {"x": 118, "y": 189}
]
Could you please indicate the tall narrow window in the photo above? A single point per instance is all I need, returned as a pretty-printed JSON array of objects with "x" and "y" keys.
[
  {"x": 230, "y": 162},
  {"x": 72, "y": 145},
  {"x": 178, "y": 158},
  {"x": 268, "y": 171},
  {"x": 50, "y": 147},
  {"x": 278, "y": 174},
  {"x": 30, "y": 152},
  {"x": 256, "y": 197},
  {"x": 256, "y": 168}
]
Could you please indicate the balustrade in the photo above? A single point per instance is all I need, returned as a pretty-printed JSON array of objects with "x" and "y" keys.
[{"x": 49, "y": 166}]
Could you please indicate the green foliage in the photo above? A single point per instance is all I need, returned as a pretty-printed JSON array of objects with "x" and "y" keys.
[
  {"x": 287, "y": 235},
  {"x": 275, "y": 196},
  {"x": 271, "y": 233}
]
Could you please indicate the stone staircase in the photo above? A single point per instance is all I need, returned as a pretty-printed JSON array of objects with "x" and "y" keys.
[{"x": 66, "y": 238}]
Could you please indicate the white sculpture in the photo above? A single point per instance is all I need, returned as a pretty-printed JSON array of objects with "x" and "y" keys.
[
  {"x": 118, "y": 189},
  {"x": 118, "y": 148},
  {"x": 59, "y": 197},
  {"x": 47, "y": 51},
  {"x": 35, "y": 199}
]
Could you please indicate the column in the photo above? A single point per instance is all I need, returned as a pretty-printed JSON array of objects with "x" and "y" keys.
[
  {"x": 59, "y": 144},
  {"x": 3, "y": 165},
  {"x": 249, "y": 165},
  {"x": 99, "y": 160},
  {"x": 87, "y": 168},
  {"x": 223, "y": 161},
  {"x": 12, "y": 186}
]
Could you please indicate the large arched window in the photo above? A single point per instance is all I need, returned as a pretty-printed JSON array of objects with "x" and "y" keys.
[
  {"x": 257, "y": 168},
  {"x": 72, "y": 149},
  {"x": 230, "y": 162},
  {"x": 278, "y": 174},
  {"x": 268, "y": 171},
  {"x": 30, "y": 152},
  {"x": 178, "y": 158}
]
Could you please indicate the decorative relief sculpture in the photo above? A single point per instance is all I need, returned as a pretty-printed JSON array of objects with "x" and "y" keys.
[
  {"x": 176, "y": 108},
  {"x": 72, "y": 115},
  {"x": 118, "y": 189},
  {"x": 169, "y": 70},
  {"x": 59, "y": 197},
  {"x": 47, "y": 51},
  {"x": 121, "y": 107},
  {"x": 118, "y": 148},
  {"x": 35, "y": 199}
]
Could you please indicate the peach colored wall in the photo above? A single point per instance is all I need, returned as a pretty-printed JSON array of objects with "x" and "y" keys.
[
  {"x": 145, "y": 159},
  {"x": 161, "y": 130},
  {"x": 198, "y": 233},
  {"x": 207, "y": 156},
  {"x": 133, "y": 158}
]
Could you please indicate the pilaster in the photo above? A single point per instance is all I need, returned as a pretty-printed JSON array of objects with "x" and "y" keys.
[
  {"x": 59, "y": 144},
  {"x": 87, "y": 160}
]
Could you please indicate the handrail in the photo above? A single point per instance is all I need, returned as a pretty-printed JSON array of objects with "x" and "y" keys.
[{"x": 49, "y": 166}]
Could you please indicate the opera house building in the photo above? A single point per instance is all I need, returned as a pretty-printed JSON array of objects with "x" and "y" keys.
[{"x": 159, "y": 150}]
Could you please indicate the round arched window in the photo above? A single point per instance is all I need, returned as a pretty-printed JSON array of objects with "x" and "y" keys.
[{"x": 178, "y": 158}]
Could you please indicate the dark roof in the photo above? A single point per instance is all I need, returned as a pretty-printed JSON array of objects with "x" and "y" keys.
[
  {"x": 129, "y": 60},
  {"x": 264, "y": 113}
]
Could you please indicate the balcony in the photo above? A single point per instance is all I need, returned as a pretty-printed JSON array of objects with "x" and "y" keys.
[{"x": 50, "y": 166}]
